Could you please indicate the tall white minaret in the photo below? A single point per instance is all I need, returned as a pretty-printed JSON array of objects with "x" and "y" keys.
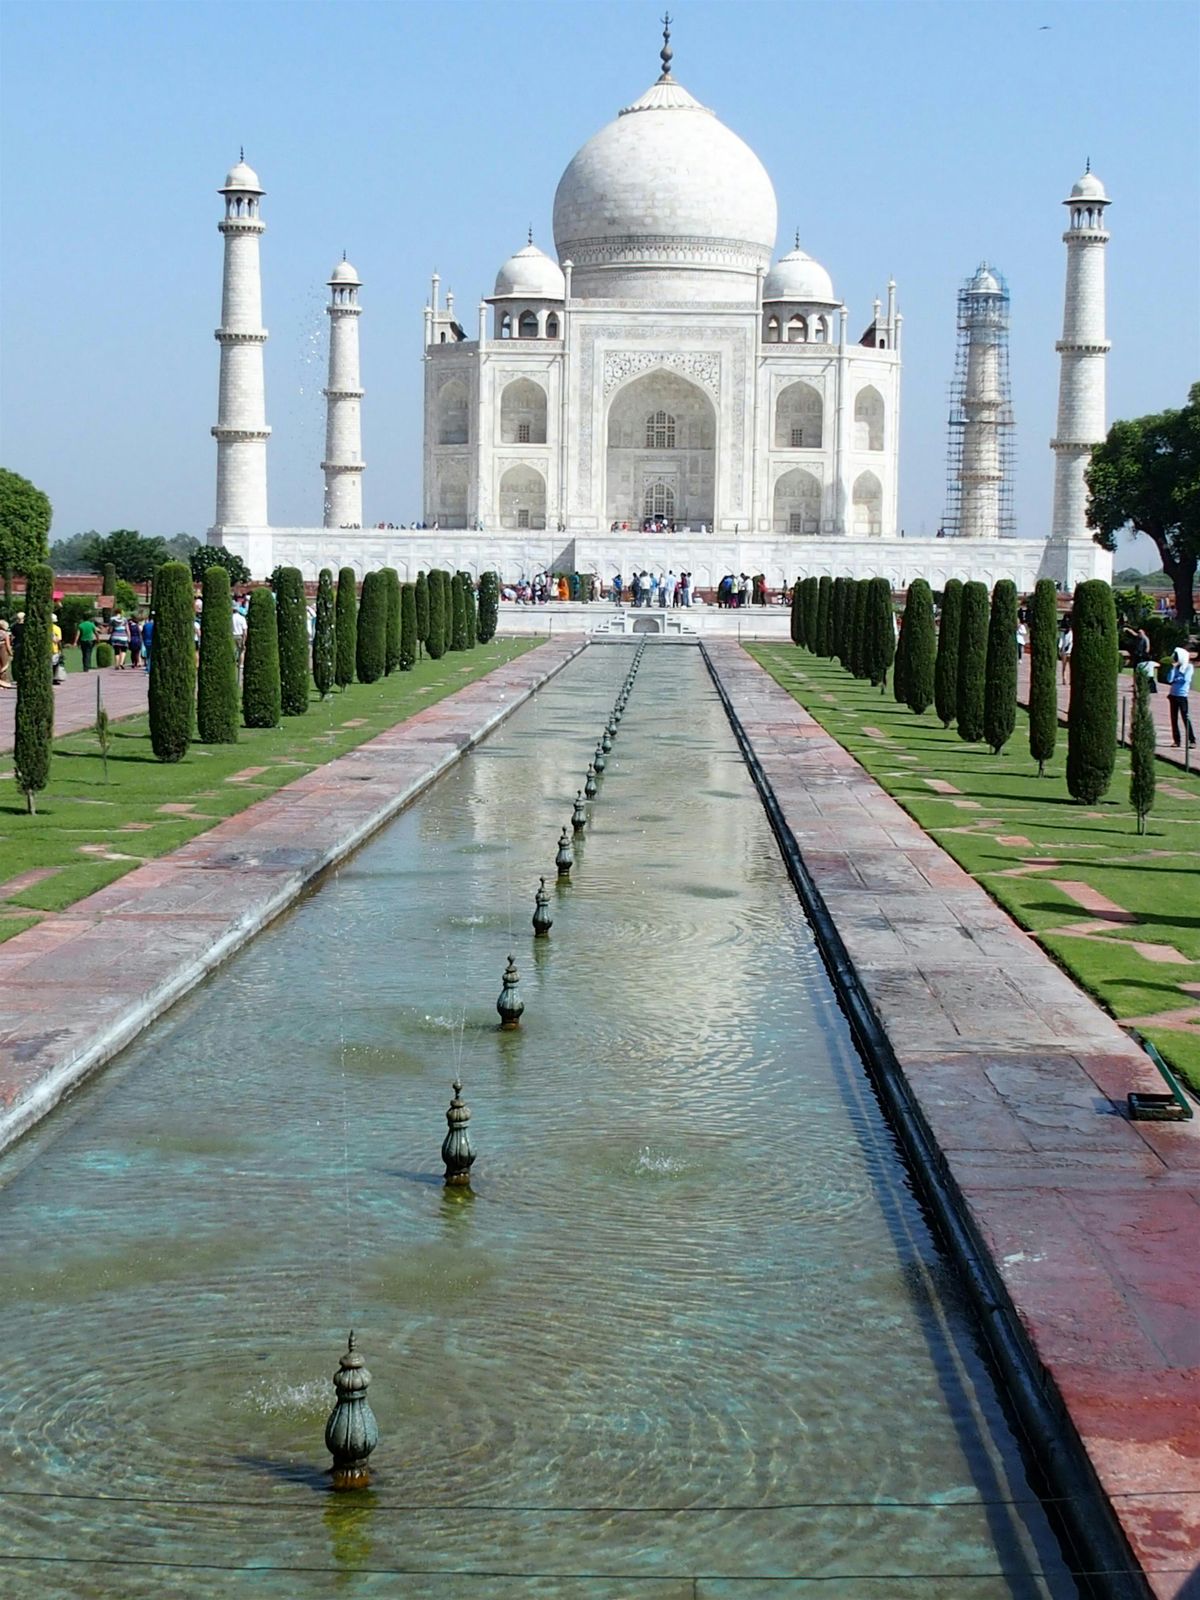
[
  {"x": 1082, "y": 349},
  {"x": 983, "y": 321},
  {"x": 343, "y": 463},
  {"x": 241, "y": 431}
]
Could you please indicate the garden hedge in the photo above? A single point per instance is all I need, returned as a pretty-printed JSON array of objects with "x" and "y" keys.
[
  {"x": 324, "y": 645},
  {"x": 945, "y": 672},
  {"x": 34, "y": 711},
  {"x": 1092, "y": 716},
  {"x": 172, "y": 695},
  {"x": 261, "y": 694},
  {"x": 217, "y": 685},
  {"x": 345, "y": 613},
  {"x": 972, "y": 661}
]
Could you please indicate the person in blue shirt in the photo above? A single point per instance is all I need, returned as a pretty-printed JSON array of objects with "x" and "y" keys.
[{"x": 1178, "y": 686}]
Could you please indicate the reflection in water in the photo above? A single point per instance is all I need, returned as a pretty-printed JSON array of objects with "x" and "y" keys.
[{"x": 689, "y": 1325}]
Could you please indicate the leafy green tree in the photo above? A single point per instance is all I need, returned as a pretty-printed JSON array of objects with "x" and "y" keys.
[
  {"x": 489, "y": 606},
  {"x": 837, "y": 618},
  {"x": 205, "y": 556},
  {"x": 858, "y": 638},
  {"x": 291, "y": 621},
  {"x": 261, "y": 694},
  {"x": 135, "y": 558},
  {"x": 824, "y": 602},
  {"x": 183, "y": 546},
  {"x": 1146, "y": 475},
  {"x": 1000, "y": 687},
  {"x": 797, "y": 618},
  {"x": 172, "y": 693},
  {"x": 1043, "y": 673},
  {"x": 324, "y": 645},
  {"x": 1141, "y": 752},
  {"x": 217, "y": 687},
  {"x": 1092, "y": 714},
  {"x": 945, "y": 672},
  {"x": 972, "y": 661},
  {"x": 34, "y": 732},
  {"x": 25, "y": 514},
  {"x": 372, "y": 628},
  {"x": 345, "y": 628},
  {"x": 435, "y": 638},
  {"x": 458, "y": 614},
  {"x": 469, "y": 608},
  {"x": 422, "y": 592},
  {"x": 408, "y": 627},
  {"x": 68, "y": 555},
  {"x": 920, "y": 647},
  {"x": 392, "y": 621}
]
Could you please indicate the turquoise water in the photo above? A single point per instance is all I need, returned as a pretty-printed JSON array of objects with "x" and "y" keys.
[{"x": 689, "y": 1335}]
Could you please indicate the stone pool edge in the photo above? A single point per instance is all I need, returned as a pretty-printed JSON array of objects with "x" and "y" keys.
[
  {"x": 1062, "y": 1370},
  {"x": 82, "y": 984}
]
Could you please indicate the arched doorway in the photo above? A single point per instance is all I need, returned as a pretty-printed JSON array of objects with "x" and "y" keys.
[
  {"x": 522, "y": 498},
  {"x": 660, "y": 459}
]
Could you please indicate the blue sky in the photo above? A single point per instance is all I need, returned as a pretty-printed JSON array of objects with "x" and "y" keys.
[{"x": 912, "y": 139}]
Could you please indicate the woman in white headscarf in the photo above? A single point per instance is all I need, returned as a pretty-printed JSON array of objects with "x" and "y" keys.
[{"x": 1178, "y": 685}]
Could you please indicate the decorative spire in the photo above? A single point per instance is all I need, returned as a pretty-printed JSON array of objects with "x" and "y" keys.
[
  {"x": 666, "y": 53},
  {"x": 529, "y": 240},
  {"x": 456, "y": 1146},
  {"x": 1087, "y": 166},
  {"x": 510, "y": 1005},
  {"x": 797, "y": 238},
  {"x": 241, "y": 152}
]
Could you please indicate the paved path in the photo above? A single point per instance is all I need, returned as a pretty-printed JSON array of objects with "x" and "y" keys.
[
  {"x": 184, "y": 913},
  {"x": 75, "y": 701},
  {"x": 1158, "y": 705},
  {"x": 1092, "y": 1221}
]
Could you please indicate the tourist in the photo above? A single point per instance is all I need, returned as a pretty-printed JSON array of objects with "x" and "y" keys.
[
  {"x": 18, "y": 633},
  {"x": 147, "y": 636},
  {"x": 239, "y": 625},
  {"x": 135, "y": 643},
  {"x": 616, "y": 589},
  {"x": 1179, "y": 684},
  {"x": 666, "y": 589},
  {"x": 6, "y": 656},
  {"x": 58, "y": 665},
  {"x": 747, "y": 590},
  {"x": 85, "y": 638},
  {"x": 1022, "y": 639},
  {"x": 1064, "y": 644},
  {"x": 685, "y": 587},
  {"x": 635, "y": 590},
  {"x": 118, "y": 637}
]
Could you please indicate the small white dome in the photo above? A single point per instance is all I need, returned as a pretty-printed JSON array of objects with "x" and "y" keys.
[
  {"x": 530, "y": 275},
  {"x": 243, "y": 177},
  {"x": 1089, "y": 187},
  {"x": 985, "y": 281},
  {"x": 344, "y": 273},
  {"x": 796, "y": 276}
]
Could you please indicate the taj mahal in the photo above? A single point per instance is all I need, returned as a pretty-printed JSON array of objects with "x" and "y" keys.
[{"x": 659, "y": 392}]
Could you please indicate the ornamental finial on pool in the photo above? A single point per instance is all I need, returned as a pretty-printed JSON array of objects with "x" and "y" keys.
[
  {"x": 456, "y": 1146},
  {"x": 351, "y": 1432}
]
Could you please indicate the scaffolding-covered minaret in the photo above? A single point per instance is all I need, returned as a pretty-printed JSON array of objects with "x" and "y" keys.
[
  {"x": 343, "y": 463},
  {"x": 980, "y": 455},
  {"x": 1083, "y": 352},
  {"x": 241, "y": 430}
]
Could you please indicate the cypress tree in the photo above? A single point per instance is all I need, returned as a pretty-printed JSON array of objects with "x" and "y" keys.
[
  {"x": 945, "y": 672},
  {"x": 345, "y": 628},
  {"x": 34, "y": 733},
  {"x": 972, "y": 661},
  {"x": 324, "y": 647},
  {"x": 458, "y": 614},
  {"x": 422, "y": 595},
  {"x": 858, "y": 636},
  {"x": 291, "y": 621},
  {"x": 108, "y": 582},
  {"x": 435, "y": 637},
  {"x": 811, "y": 594},
  {"x": 824, "y": 602},
  {"x": 837, "y": 618},
  {"x": 920, "y": 646},
  {"x": 1000, "y": 687},
  {"x": 489, "y": 605},
  {"x": 1092, "y": 717},
  {"x": 172, "y": 697},
  {"x": 408, "y": 626},
  {"x": 469, "y": 607},
  {"x": 900, "y": 665},
  {"x": 217, "y": 686},
  {"x": 392, "y": 625},
  {"x": 371, "y": 648},
  {"x": 797, "y": 618},
  {"x": 1141, "y": 751},
  {"x": 880, "y": 645},
  {"x": 1043, "y": 673},
  {"x": 261, "y": 692}
]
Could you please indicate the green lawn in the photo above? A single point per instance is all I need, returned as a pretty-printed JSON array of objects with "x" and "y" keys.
[
  {"x": 1155, "y": 877},
  {"x": 88, "y": 832}
]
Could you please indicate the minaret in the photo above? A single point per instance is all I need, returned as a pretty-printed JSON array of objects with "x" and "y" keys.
[
  {"x": 343, "y": 463},
  {"x": 1082, "y": 350},
  {"x": 241, "y": 431},
  {"x": 983, "y": 322}
]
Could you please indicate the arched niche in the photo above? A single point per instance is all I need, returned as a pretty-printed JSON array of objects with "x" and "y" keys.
[
  {"x": 523, "y": 413},
  {"x": 453, "y": 413},
  {"x": 797, "y": 503},
  {"x": 661, "y": 430},
  {"x": 522, "y": 498},
  {"x": 868, "y": 419},
  {"x": 450, "y": 510},
  {"x": 799, "y": 418},
  {"x": 868, "y": 505}
]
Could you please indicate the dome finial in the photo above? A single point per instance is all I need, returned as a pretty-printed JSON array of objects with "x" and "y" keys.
[
  {"x": 1087, "y": 166},
  {"x": 666, "y": 53},
  {"x": 530, "y": 238},
  {"x": 797, "y": 238},
  {"x": 241, "y": 152}
]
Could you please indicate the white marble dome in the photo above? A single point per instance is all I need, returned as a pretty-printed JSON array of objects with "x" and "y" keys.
[
  {"x": 1088, "y": 187},
  {"x": 243, "y": 177},
  {"x": 797, "y": 277},
  {"x": 665, "y": 187},
  {"x": 530, "y": 275},
  {"x": 344, "y": 273},
  {"x": 985, "y": 281}
]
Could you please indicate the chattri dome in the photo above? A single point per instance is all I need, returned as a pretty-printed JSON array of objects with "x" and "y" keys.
[
  {"x": 985, "y": 281},
  {"x": 530, "y": 275},
  {"x": 344, "y": 273},
  {"x": 1088, "y": 187},
  {"x": 242, "y": 177},
  {"x": 796, "y": 276}
]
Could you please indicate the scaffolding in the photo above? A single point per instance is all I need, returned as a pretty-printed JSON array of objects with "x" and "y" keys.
[{"x": 981, "y": 447}]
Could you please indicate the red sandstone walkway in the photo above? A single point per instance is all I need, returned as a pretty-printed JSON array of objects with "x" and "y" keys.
[
  {"x": 184, "y": 913},
  {"x": 1092, "y": 1220},
  {"x": 1158, "y": 705},
  {"x": 75, "y": 701}
]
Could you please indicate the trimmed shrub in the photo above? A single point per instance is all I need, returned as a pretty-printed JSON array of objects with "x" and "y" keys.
[
  {"x": 1043, "y": 673},
  {"x": 128, "y": 599},
  {"x": 469, "y": 608},
  {"x": 972, "y": 661},
  {"x": 408, "y": 626},
  {"x": 920, "y": 647},
  {"x": 104, "y": 654},
  {"x": 824, "y": 601},
  {"x": 261, "y": 695},
  {"x": 291, "y": 620},
  {"x": 458, "y": 614},
  {"x": 1092, "y": 717},
  {"x": 811, "y": 596},
  {"x": 858, "y": 636},
  {"x": 837, "y": 618},
  {"x": 1141, "y": 751},
  {"x": 1000, "y": 686},
  {"x": 108, "y": 583},
  {"x": 372, "y": 628},
  {"x": 881, "y": 632},
  {"x": 797, "y": 618},
  {"x": 217, "y": 686},
  {"x": 489, "y": 606},
  {"x": 34, "y": 732},
  {"x": 324, "y": 645},
  {"x": 945, "y": 671},
  {"x": 422, "y": 593},
  {"x": 900, "y": 665},
  {"x": 391, "y": 634},
  {"x": 345, "y": 628},
  {"x": 435, "y": 637},
  {"x": 173, "y": 681}
]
